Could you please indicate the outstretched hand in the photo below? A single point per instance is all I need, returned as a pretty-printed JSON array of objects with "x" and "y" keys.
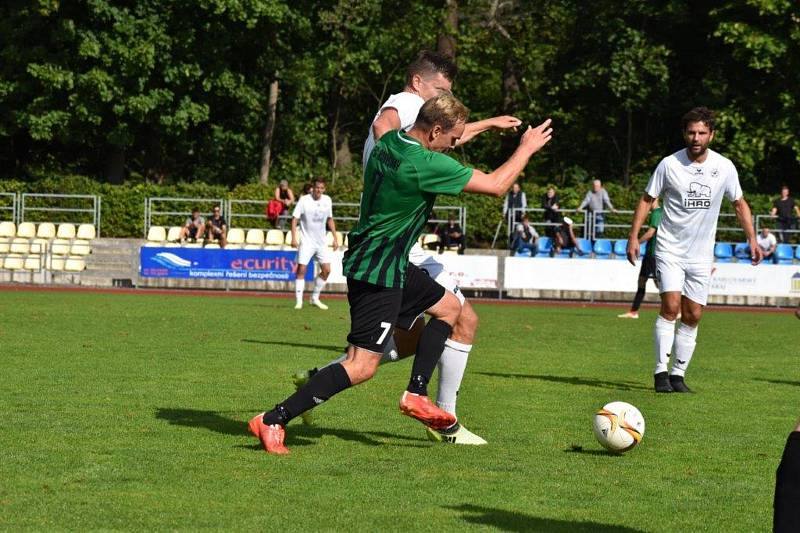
[
  {"x": 535, "y": 138},
  {"x": 505, "y": 122}
]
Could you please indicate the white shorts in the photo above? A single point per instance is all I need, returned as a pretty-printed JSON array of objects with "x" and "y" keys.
[
  {"x": 305, "y": 253},
  {"x": 692, "y": 280},
  {"x": 439, "y": 273}
]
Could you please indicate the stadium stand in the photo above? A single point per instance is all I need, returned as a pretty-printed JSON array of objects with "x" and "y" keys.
[
  {"x": 585, "y": 246},
  {"x": 543, "y": 246},
  {"x": 235, "y": 238},
  {"x": 254, "y": 240},
  {"x": 742, "y": 251},
  {"x": 621, "y": 249},
  {"x": 784, "y": 254},
  {"x": 274, "y": 240},
  {"x": 602, "y": 249}
]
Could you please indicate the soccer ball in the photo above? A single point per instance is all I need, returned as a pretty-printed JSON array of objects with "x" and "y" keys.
[{"x": 618, "y": 426}]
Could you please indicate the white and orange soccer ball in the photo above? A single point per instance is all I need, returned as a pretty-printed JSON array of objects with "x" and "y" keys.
[{"x": 619, "y": 426}]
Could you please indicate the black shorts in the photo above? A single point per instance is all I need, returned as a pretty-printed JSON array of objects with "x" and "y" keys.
[
  {"x": 648, "y": 269},
  {"x": 193, "y": 232},
  {"x": 376, "y": 310}
]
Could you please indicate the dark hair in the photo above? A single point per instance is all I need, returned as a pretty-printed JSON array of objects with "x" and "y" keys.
[
  {"x": 699, "y": 114},
  {"x": 429, "y": 63},
  {"x": 784, "y": 186},
  {"x": 195, "y": 209},
  {"x": 526, "y": 217},
  {"x": 318, "y": 180}
]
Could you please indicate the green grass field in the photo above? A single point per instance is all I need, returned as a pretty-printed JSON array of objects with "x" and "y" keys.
[{"x": 127, "y": 411}]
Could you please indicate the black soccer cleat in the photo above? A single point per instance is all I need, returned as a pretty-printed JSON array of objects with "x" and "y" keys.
[
  {"x": 678, "y": 385},
  {"x": 661, "y": 382}
]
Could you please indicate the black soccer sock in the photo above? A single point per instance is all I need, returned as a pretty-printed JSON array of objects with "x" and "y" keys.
[
  {"x": 429, "y": 349},
  {"x": 637, "y": 300},
  {"x": 321, "y": 386},
  {"x": 787, "y": 487}
]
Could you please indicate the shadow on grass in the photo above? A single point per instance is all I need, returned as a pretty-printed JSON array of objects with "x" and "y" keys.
[
  {"x": 581, "y": 451},
  {"x": 511, "y": 521},
  {"x": 779, "y": 381},
  {"x": 297, "y": 434},
  {"x": 573, "y": 380},
  {"x": 328, "y": 348}
]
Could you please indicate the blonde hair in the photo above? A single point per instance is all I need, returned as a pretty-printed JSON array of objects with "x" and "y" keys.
[{"x": 445, "y": 110}]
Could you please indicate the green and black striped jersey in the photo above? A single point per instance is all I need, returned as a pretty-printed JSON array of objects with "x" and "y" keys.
[{"x": 401, "y": 181}]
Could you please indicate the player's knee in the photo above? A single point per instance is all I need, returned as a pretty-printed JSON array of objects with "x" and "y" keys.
[
  {"x": 448, "y": 309},
  {"x": 325, "y": 271},
  {"x": 301, "y": 271},
  {"x": 466, "y": 325}
]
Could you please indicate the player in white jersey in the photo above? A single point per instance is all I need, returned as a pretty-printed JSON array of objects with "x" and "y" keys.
[
  {"x": 691, "y": 184},
  {"x": 430, "y": 75},
  {"x": 314, "y": 212}
]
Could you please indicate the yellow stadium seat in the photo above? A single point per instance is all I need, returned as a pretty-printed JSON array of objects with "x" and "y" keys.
[
  {"x": 60, "y": 246},
  {"x": 174, "y": 234},
  {"x": 340, "y": 238},
  {"x": 33, "y": 262},
  {"x": 39, "y": 246},
  {"x": 57, "y": 262},
  {"x": 429, "y": 238},
  {"x": 86, "y": 232},
  {"x": 170, "y": 244},
  {"x": 274, "y": 239},
  {"x": 5, "y": 244},
  {"x": 154, "y": 234},
  {"x": 20, "y": 246},
  {"x": 74, "y": 264},
  {"x": 26, "y": 230},
  {"x": 236, "y": 236},
  {"x": 14, "y": 262},
  {"x": 287, "y": 243},
  {"x": 80, "y": 247},
  {"x": 254, "y": 239},
  {"x": 212, "y": 245},
  {"x": 329, "y": 239},
  {"x": 8, "y": 229},
  {"x": 193, "y": 245},
  {"x": 46, "y": 230},
  {"x": 66, "y": 231}
]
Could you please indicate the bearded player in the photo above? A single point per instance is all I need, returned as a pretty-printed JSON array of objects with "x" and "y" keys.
[{"x": 691, "y": 183}]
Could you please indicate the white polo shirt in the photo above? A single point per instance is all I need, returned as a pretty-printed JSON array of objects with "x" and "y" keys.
[{"x": 313, "y": 216}]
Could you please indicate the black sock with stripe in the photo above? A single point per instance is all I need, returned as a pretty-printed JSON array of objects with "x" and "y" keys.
[
  {"x": 321, "y": 386},
  {"x": 429, "y": 350}
]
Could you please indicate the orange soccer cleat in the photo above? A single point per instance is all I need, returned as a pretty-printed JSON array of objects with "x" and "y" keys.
[
  {"x": 421, "y": 408},
  {"x": 270, "y": 436}
]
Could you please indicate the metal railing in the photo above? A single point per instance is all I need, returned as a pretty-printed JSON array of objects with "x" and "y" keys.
[
  {"x": 164, "y": 211},
  {"x": 771, "y": 222},
  {"x": 8, "y": 204},
  {"x": 61, "y": 208}
]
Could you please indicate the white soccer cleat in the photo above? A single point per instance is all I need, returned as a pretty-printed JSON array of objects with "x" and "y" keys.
[
  {"x": 319, "y": 304},
  {"x": 629, "y": 314},
  {"x": 298, "y": 305},
  {"x": 460, "y": 435}
]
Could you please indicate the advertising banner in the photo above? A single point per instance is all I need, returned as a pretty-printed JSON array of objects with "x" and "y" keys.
[
  {"x": 728, "y": 279},
  {"x": 201, "y": 263},
  {"x": 470, "y": 271}
]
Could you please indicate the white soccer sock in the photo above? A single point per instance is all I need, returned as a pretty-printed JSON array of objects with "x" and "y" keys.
[
  {"x": 452, "y": 366},
  {"x": 299, "y": 287},
  {"x": 663, "y": 337},
  {"x": 685, "y": 341},
  {"x": 318, "y": 284}
]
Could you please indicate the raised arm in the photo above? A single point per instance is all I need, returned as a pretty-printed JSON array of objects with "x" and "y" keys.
[
  {"x": 500, "y": 180},
  {"x": 474, "y": 128},
  {"x": 642, "y": 209},
  {"x": 388, "y": 120},
  {"x": 746, "y": 221}
]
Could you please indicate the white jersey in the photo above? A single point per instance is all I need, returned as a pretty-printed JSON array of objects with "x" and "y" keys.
[
  {"x": 691, "y": 195},
  {"x": 407, "y": 106},
  {"x": 313, "y": 216}
]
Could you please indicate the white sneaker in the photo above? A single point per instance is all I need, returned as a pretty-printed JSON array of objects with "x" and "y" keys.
[
  {"x": 318, "y": 304},
  {"x": 629, "y": 314},
  {"x": 298, "y": 305},
  {"x": 460, "y": 436}
]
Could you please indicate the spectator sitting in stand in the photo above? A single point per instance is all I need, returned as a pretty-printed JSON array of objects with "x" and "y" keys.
[
  {"x": 786, "y": 210},
  {"x": 194, "y": 227},
  {"x": 594, "y": 202},
  {"x": 451, "y": 234},
  {"x": 550, "y": 204},
  {"x": 768, "y": 244},
  {"x": 285, "y": 195},
  {"x": 515, "y": 199},
  {"x": 565, "y": 239},
  {"x": 216, "y": 228},
  {"x": 526, "y": 237}
]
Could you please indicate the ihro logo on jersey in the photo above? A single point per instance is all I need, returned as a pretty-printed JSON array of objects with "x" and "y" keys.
[{"x": 699, "y": 196}]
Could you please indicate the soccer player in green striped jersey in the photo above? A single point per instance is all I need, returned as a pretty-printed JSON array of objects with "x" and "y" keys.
[{"x": 404, "y": 174}]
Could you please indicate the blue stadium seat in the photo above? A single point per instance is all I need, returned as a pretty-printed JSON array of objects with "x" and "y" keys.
[
  {"x": 586, "y": 247},
  {"x": 621, "y": 249},
  {"x": 602, "y": 249},
  {"x": 742, "y": 251},
  {"x": 544, "y": 245},
  {"x": 784, "y": 254},
  {"x": 642, "y": 249},
  {"x": 797, "y": 253},
  {"x": 723, "y": 252},
  {"x": 524, "y": 252}
]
